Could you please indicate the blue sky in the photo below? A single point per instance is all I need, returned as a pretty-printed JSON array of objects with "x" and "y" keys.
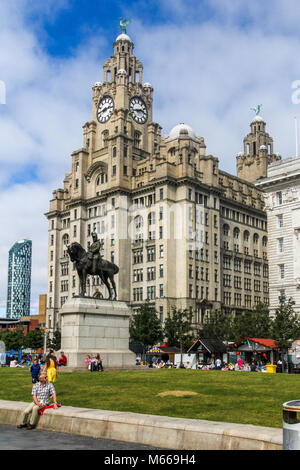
[{"x": 209, "y": 61}]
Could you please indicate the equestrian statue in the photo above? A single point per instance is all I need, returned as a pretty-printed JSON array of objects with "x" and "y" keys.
[{"x": 92, "y": 262}]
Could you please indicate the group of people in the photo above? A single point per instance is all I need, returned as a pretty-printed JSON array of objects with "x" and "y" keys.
[
  {"x": 43, "y": 376},
  {"x": 240, "y": 365},
  {"x": 94, "y": 363}
]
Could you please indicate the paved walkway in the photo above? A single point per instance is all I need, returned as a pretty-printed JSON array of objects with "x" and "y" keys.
[{"x": 12, "y": 438}]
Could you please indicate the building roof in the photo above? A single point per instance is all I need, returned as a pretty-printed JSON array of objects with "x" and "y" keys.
[
  {"x": 123, "y": 37},
  {"x": 182, "y": 130},
  {"x": 212, "y": 345},
  {"x": 268, "y": 343}
]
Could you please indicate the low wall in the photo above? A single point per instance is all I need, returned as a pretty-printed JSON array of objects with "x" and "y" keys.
[{"x": 159, "y": 431}]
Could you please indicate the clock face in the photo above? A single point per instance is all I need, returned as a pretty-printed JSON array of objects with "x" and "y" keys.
[
  {"x": 105, "y": 109},
  {"x": 138, "y": 110}
]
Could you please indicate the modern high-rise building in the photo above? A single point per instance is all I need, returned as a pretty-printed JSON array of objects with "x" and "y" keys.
[
  {"x": 19, "y": 279},
  {"x": 183, "y": 232}
]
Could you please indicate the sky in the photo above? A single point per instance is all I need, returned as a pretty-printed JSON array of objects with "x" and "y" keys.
[{"x": 209, "y": 62}]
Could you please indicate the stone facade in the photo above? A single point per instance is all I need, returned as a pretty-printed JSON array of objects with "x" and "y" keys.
[
  {"x": 252, "y": 164},
  {"x": 282, "y": 195},
  {"x": 183, "y": 232}
]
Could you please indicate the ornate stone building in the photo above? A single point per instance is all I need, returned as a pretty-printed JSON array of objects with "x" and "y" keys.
[
  {"x": 183, "y": 232},
  {"x": 281, "y": 187},
  {"x": 252, "y": 164}
]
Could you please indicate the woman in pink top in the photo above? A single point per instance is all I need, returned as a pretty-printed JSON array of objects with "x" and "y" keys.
[
  {"x": 240, "y": 363},
  {"x": 88, "y": 361}
]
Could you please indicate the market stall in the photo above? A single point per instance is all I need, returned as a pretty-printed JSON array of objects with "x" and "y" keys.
[
  {"x": 207, "y": 350},
  {"x": 262, "y": 350}
]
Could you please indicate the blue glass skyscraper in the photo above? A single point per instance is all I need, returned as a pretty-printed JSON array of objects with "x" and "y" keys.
[{"x": 19, "y": 279}]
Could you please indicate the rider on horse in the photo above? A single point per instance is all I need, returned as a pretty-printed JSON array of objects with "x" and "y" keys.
[{"x": 93, "y": 253}]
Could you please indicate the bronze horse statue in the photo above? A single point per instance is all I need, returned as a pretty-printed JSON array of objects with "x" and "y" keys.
[{"x": 105, "y": 269}]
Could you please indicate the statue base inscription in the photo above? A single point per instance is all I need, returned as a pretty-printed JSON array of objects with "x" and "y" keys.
[{"x": 91, "y": 326}]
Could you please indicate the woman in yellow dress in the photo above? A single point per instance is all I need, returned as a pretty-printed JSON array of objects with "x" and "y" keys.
[{"x": 51, "y": 367}]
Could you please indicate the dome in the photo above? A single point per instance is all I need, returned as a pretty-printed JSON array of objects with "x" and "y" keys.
[
  {"x": 182, "y": 130},
  {"x": 98, "y": 84},
  {"x": 258, "y": 119},
  {"x": 147, "y": 85},
  {"x": 263, "y": 147},
  {"x": 240, "y": 154},
  {"x": 122, "y": 72},
  {"x": 123, "y": 37}
]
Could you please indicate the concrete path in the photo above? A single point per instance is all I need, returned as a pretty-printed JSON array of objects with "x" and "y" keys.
[{"x": 12, "y": 438}]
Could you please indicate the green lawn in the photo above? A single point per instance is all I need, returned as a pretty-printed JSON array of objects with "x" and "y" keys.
[{"x": 238, "y": 397}]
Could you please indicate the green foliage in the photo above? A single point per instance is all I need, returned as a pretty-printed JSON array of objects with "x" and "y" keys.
[
  {"x": 145, "y": 326},
  {"x": 217, "y": 325},
  {"x": 34, "y": 339},
  {"x": 13, "y": 339},
  {"x": 285, "y": 325},
  {"x": 54, "y": 342},
  {"x": 178, "y": 328},
  {"x": 253, "y": 324}
]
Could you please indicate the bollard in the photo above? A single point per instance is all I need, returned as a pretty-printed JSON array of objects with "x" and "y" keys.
[{"x": 291, "y": 425}]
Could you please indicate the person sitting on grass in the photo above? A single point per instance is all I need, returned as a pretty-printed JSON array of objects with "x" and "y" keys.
[
  {"x": 41, "y": 393},
  {"x": 62, "y": 360}
]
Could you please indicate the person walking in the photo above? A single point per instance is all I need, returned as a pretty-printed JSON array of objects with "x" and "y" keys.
[
  {"x": 41, "y": 393},
  {"x": 35, "y": 371},
  {"x": 51, "y": 368}
]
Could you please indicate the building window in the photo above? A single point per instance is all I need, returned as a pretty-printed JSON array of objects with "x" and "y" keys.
[
  {"x": 227, "y": 298},
  {"x": 114, "y": 170},
  {"x": 280, "y": 220},
  {"x": 279, "y": 198},
  {"x": 161, "y": 314},
  {"x": 280, "y": 245},
  {"x": 161, "y": 270},
  {"x": 161, "y": 290},
  {"x": 281, "y": 271}
]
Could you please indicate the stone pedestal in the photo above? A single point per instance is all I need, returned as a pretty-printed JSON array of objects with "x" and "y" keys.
[{"x": 90, "y": 326}]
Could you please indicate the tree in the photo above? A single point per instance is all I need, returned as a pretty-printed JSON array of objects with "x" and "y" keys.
[
  {"x": 217, "y": 325},
  {"x": 252, "y": 324},
  {"x": 145, "y": 327},
  {"x": 285, "y": 325},
  {"x": 13, "y": 339},
  {"x": 34, "y": 339},
  {"x": 178, "y": 328},
  {"x": 54, "y": 342},
  {"x": 261, "y": 322}
]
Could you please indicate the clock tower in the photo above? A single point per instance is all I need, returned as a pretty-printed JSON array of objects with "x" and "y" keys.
[{"x": 122, "y": 116}]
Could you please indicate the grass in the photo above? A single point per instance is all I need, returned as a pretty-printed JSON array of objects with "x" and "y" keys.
[{"x": 237, "y": 397}]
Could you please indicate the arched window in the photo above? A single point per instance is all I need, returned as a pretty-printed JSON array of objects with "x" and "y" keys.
[
  {"x": 246, "y": 236},
  {"x": 265, "y": 241},
  {"x": 225, "y": 230},
  {"x": 105, "y": 135},
  {"x": 255, "y": 239},
  {"x": 236, "y": 233},
  {"x": 137, "y": 139}
]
